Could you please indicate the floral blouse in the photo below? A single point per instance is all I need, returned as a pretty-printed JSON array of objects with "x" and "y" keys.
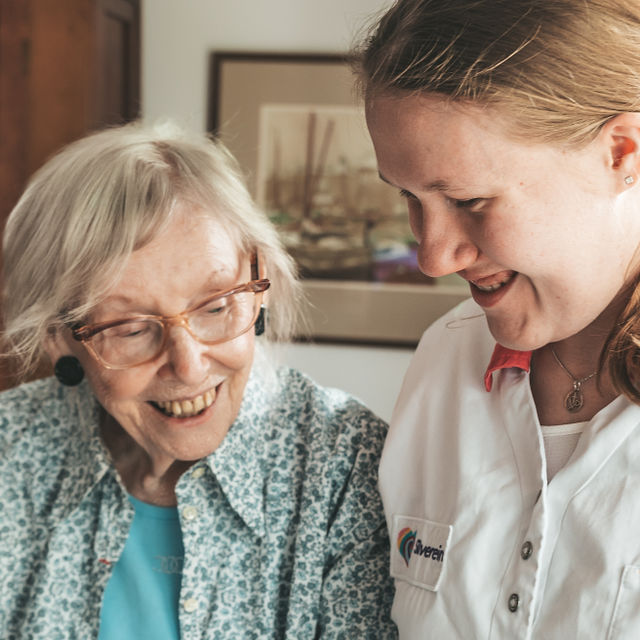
[{"x": 283, "y": 529}]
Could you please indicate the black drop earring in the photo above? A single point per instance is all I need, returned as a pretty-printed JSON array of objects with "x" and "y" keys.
[
  {"x": 260, "y": 322},
  {"x": 69, "y": 371}
]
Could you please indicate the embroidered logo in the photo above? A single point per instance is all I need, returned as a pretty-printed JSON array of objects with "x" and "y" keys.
[
  {"x": 426, "y": 551},
  {"x": 406, "y": 540},
  {"x": 421, "y": 554}
]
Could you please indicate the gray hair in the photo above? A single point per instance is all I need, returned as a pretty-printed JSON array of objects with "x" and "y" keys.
[{"x": 101, "y": 198}]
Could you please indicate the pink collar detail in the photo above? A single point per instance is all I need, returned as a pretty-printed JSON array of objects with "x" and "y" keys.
[{"x": 504, "y": 358}]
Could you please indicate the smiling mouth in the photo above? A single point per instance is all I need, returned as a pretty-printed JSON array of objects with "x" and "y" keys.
[
  {"x": 187, "y": 408},
  {"x": 485, "y": 284}
]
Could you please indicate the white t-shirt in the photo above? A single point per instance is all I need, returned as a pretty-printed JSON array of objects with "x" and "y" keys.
[
  {"x": 482, "y": 546},
  {"x": 560, "y": 441}
]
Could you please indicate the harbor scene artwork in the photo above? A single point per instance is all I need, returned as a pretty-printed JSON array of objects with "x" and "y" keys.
[
  {"x": 317, "y": 179},
  {"x": 297, "y": 128}
]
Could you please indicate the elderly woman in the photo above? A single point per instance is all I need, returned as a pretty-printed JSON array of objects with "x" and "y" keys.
[
  {"x": 169, "y": 482},
  {"x": 512, "y": 128}
]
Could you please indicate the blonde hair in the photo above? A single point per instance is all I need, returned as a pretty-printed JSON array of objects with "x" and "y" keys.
[
  {"x": 557, "y": 70},
  {"x": 101, "y": 198}
]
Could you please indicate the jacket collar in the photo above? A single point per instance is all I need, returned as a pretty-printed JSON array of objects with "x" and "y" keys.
[
  {"x": 239, "y": 462},
  {"x": 86, "y": 458},
  {"x": 504, "y": 358}
]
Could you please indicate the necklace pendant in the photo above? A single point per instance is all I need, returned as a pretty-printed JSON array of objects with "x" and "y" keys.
[{"x": 574, "y": 399}]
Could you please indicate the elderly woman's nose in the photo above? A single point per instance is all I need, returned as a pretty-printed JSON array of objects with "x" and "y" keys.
[{"x": 187, "y": 357}]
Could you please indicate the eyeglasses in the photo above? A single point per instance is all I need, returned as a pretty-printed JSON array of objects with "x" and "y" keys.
[{"x": 121, "y": 344}]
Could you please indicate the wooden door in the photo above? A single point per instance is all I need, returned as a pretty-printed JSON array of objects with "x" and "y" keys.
[
  {"x": 66, "y": 67},
  {"x": 118, "y": 86}
]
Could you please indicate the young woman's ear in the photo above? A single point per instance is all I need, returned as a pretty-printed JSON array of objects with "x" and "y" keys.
[{"x": 621, "y": 136}]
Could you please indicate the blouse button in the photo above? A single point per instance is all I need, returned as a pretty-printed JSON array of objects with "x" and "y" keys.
[
  {"x": 198, "y": 472},
  {"x": 527, "y": 550},
  {"x": 190, "y": 605},
  {"x": 514, "y": 601},
  {"x": 190, "y": 513}
]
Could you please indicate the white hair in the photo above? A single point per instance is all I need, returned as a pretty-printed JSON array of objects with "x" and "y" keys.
[{"x": 101, "y": 198}]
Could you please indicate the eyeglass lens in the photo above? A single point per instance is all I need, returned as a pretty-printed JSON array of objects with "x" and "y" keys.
[{"x": 136, "y": 341}]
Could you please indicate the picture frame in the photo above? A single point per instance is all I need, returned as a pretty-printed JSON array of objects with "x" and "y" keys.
[{"x": 296, "y": 126}]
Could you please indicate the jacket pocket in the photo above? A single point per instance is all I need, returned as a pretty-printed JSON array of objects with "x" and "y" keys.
[{"x": 625, "y": 622}]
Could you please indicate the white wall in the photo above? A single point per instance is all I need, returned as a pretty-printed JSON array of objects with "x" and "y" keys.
[
  {"x": 373, "y": 375},
  {"x": 177, "y": 37}
]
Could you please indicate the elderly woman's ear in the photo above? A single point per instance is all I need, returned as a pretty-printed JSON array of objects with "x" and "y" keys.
[{"x": 55, "y": 346}]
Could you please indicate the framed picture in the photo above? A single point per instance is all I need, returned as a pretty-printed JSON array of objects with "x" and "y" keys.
[{"x": 297, "y": 127}]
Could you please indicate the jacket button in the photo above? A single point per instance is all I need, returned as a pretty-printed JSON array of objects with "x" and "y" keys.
[
  {"x": 514, "y": 601},
  {"x": 527, "y": 550}
]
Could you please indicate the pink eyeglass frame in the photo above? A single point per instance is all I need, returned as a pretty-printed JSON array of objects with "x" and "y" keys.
[{"x": 84, "y": 333}]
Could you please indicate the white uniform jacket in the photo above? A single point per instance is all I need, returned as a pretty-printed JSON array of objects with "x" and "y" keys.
[{"x": 481, "y": 545}]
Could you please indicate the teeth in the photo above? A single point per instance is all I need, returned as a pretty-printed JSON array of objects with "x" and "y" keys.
[
  {"x": 492, "y": 287},
  {"x": 188, "y": 408}
]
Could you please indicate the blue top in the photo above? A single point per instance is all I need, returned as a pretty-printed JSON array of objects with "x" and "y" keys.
[
  {"x": 141, "y": 598},
  {"x": 283, "y": 530}
]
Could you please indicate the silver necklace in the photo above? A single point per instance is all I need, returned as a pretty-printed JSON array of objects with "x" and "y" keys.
[{"x": 574, "y": 400}]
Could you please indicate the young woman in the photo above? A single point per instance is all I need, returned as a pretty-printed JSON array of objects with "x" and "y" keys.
[{"x": 510, "y": 475}]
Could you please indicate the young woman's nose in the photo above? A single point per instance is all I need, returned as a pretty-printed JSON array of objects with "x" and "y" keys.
[{"x": 444, "y": 244}]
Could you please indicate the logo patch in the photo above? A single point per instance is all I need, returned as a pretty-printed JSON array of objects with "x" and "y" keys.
[
  {"x": 421, "y": 551},
  {"x": 406, "y": 539}
]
